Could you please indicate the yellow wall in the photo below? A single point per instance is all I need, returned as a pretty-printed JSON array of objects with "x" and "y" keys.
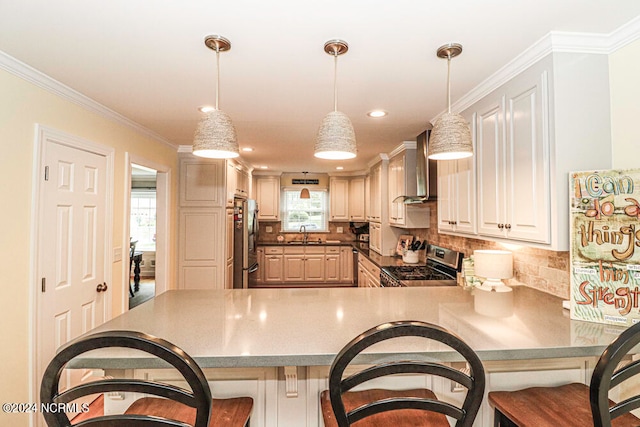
[
  {"x": 624, "y": 69},
  {"x": 22, "y": 105}
]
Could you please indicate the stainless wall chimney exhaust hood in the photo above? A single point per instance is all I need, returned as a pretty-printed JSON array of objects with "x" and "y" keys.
[{"x": 426, "y": 188}]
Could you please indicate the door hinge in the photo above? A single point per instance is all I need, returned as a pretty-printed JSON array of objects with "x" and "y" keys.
[
  {"x": 46, "y": 173},
  {"x": 43, "y": 284}
]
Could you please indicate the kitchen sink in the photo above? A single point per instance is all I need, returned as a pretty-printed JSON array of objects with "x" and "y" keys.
[{"x": 297, "y": 242}]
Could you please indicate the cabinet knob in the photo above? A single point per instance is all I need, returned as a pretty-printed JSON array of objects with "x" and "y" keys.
[
  {"x": 500, "y": 226},
  {"x": 507, "y": 226}
]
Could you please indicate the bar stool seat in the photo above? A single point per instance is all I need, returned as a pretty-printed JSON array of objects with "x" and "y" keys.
[
  {"x": 406, "y": 418},
  {"x": 230, "y": 412},
  {"x": 578, "y": 405},
  {"x": 566, "y": 405}
]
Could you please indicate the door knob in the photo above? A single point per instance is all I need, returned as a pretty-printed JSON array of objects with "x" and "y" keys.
[{"x": 102, "y": 287}]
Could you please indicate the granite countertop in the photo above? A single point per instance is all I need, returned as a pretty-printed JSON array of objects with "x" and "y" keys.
[{"x": 306, "y": 327}]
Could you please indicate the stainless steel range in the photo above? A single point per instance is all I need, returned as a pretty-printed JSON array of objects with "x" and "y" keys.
[{"x": 441, "y": 269}]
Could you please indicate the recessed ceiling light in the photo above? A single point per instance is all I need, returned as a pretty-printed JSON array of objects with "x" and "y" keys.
[
  {"x": 264, "y": 167},
  {"x": 206, "y": 108},
  {"x": 377, "y": 113},
  {"x": 339, "y": 168},
  {"x": 247, "y": 149}
]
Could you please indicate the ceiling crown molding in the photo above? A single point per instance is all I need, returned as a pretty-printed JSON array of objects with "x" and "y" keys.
[
  {"x": 41, "y": 80},
  {"x": 553, "y": 42}
]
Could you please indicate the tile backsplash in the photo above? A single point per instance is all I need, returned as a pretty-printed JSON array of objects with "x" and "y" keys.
[{"x": 542, "y": 269}]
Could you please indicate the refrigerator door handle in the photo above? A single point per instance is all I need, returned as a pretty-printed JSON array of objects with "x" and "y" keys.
[{"x": 254, "y": 268}]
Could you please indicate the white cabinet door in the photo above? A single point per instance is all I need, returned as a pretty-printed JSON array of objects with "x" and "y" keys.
[
  {"x": 339, "y": 194},
  {"x": 446, "y": 195},
  {"x": 527, "y": 164},
  {"x": 375, "y": 236},
  {"x": 357, "y": 199},
  {"x": 202, "y": 182},
  {"x": 513, "y": 162},
  {"x": 201, "y": 263},
  {"x": 294, "y": 267},
  {"x": 273, "y": 268},
  {"x": 490, "y": 152},
  {"x": 396, "y": 188},
  {"x": 314, "y": 268},
  {"x": 268, "y": 197},
  {"x": 346, "y": 264},
  {"x": 375, "y": 200}
]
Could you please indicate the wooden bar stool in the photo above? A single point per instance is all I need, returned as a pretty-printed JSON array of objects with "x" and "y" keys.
[
  {"x": 576, "y": 405},
  {"x": 342, "y": 407},
  {"x": 175, "y": 406}
]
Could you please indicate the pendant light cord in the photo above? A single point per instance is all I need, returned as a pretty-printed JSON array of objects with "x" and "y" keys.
[
  {"x": 335, "y": 81},
  {"x": 217, "y": 76},
  {"x": 449, "y": 82}
]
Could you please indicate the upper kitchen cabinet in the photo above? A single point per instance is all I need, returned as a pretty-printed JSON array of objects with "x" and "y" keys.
[
  {"x": 357, "y": 199},
  {"x": 549, "y": 120},
  {"x": 374, "y": 210},
  {"x": 403, "y": 182},
  {"x": 237, "y": 181},
  {"x": 268, "y": 197},
  {"x": 339, "y": 196},
  {"x": 457, "y": 195},
  {"x": 347, "y": 196},
  {"x": 202, "y": 182}
]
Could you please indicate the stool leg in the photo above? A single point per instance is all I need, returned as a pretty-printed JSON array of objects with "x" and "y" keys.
[{"x": 500, "y": 420}]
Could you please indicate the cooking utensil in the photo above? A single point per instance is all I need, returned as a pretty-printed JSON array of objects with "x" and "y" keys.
[
  {"x": 424, "y": 245},
  {"x": 415, "y": 245}
]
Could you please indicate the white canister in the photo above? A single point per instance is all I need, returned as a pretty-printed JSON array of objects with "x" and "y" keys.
[{"x": 410, "y": 257}]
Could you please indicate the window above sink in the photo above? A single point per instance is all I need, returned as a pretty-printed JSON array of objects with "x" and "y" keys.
[{"x": 312, "y": 213}]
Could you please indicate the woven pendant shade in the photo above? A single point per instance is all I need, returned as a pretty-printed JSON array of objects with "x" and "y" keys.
[
  {"x": 336, "y": 138},
  {"x": 450, "y": 138},
  {"x": 215, "y": 137}
]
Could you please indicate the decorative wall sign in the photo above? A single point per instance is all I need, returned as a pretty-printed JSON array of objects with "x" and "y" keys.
[{"x": 605, "y": 246}]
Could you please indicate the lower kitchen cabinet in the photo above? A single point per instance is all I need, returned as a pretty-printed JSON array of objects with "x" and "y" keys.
[
  {"x": 368, "y": 273},
  {"x": 273, "y": 264},
  {"x": 308, "y": 265}
]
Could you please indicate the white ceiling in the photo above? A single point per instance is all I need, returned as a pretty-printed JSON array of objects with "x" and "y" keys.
[{"x": 146, "y": 60}]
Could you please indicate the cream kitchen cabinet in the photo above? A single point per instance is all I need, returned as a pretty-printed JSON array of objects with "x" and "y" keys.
[
  {"x": 332, "y": 264},
  {"x": 396, "y": 188},
  {"x": 531, "y": 132},
  {"x": 202, "y": 182},
  {"x": 237, "y": 182},
  {"x": 457, "y": 196},
  {"x": 273, "y": 264},
  {"x": 375, "y": 193},
  {"x": 368, "y": 273},
  {"x": 259, "y": 275},
  {"x": 339, "y": 198},
  {"x": 203, "y": 257},
  {"x": 375, "y": 236},
  {"x": 346, "y": 264},
  {"x": 304, "y": 264},
  {"x": 268, "y": 197},
  {"x": 357, "y": 199}
]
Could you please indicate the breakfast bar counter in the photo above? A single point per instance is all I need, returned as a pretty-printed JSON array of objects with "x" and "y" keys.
[
  {"x": 276, "y": 345},
  {"x": 308, "y": 327}
]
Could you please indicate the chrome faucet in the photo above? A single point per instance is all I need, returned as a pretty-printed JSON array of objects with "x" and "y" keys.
[{"x": 305, "y": 236}]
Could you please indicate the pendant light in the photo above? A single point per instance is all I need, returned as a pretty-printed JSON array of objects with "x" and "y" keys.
[
  {"x": 336, "y": 139},
  {"x": 450, "y": 137},
  {"x": 304, "y": 193},
  {"x": 215, "y": 135}
]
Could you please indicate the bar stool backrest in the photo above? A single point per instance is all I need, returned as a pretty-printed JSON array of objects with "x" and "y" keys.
[
  {"x": 606, "y": 376},
  {"x": 474, "y": 382},
  {"x": 199, "y": 397}
]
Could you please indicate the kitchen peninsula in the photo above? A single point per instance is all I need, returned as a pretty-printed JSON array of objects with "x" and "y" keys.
[{"x": 277, "y": 344}]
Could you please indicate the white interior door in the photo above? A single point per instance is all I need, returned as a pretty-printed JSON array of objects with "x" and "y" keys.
[{"x": 72, "y": 248}]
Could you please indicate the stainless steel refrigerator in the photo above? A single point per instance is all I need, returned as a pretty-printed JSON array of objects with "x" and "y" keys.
[{"x": 245, "y": 234}]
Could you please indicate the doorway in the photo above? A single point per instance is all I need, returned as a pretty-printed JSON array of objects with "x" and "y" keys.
[
  {"x": 142, "y": 235},
  {"x": 146, "y": 230}
]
